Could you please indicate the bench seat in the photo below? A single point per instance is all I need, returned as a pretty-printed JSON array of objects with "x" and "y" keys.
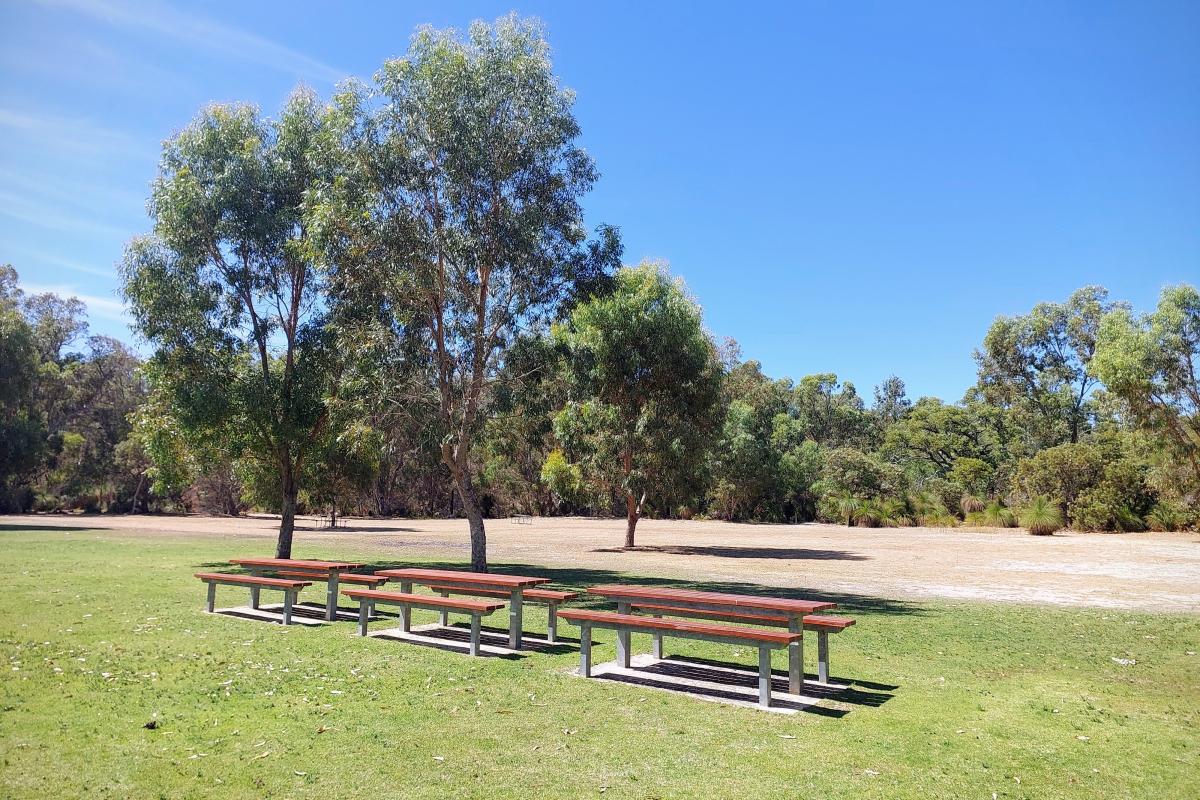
[
  {"x": 290, "y": 589},
  {"x": 369, "y": 598},
  {"x": 821, "y": 624},
  {"x": 625, "y": 624},
  {"x": 551, "y": 597},
  {"x": 345, "y": 577}
]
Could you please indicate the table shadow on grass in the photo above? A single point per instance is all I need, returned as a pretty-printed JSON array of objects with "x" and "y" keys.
[{"x": 8, "y": 528}]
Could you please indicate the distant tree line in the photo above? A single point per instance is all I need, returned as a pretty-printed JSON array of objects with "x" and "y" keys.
[{"x": 387, "y": 304}]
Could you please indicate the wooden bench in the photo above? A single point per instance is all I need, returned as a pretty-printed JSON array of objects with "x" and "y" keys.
[
  {"x": 624, "y": 624},
  {"x": 346, "y": 577},
  {"x": 551, "y": 597},
  {"x": 289, "y": 588},
  {"x": 369, "y": 598},
  {"x": 821, "y": 624}
]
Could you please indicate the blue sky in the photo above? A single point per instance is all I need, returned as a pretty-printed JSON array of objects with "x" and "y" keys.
[{"x": 850, "y": 187}]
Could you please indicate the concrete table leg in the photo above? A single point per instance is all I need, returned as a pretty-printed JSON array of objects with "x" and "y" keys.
[
  {"x": 656, "y": 642},
  {"x": 254, "y": 595},
  {"x": 444, "y": 615},
  {"x": 364, "y": 613},
  {"x": 796, "y": 657},
  {"x": 764, "y": 677},
  {"x": 514, "y": 620},
  {"x": 585, "y": 650},
  {"x": 288, "y": 597},
  {"x": 475, "y": 634},
  {"x": 623, "y": 639},
  {"x": 405, "y": 611},
  {"x": 212, "y": 597},
  {"x": 552, "y": 624},
  {"x": 331, "y": 597},
  {"x": 823, "y": 656}
]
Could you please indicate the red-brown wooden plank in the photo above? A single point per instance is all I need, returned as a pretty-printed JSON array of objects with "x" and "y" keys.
[
  {"x": 629, "y": 592},
  {"x": 417, "y": 575},
  {"x": 251, "y": 580},
  {"x": 296, "y": 563},
  {"x": 485, "y": 606},
  {"x": 685, "y": 626}
]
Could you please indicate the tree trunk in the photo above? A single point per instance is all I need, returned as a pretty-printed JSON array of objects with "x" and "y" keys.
[
  {"x": 631, "y": 519},
  {"x": 287, "y": 522},
  {"x": 475, "y": 522}
]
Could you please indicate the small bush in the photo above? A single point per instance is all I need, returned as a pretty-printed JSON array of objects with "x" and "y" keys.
[
  {"x": 997, "y": 516},
  {"x": 1102, "y": 509},
  {"x": 895, "y": 513},
  {"x": 869, "y": 515},
  {"x": 1166, "y": 517},
  {"x": 971, "y": 504},
  {"x": 1041, "y": 517}
]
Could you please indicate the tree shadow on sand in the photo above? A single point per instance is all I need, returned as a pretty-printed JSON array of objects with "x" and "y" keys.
[{"x": 794, "y": 553}]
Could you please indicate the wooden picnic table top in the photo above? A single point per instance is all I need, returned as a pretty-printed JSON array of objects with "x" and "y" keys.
[
  {"x": 314, "y": 565},
  {"x": 432, "y": 576},
  {"x": 784, "y": 605}
]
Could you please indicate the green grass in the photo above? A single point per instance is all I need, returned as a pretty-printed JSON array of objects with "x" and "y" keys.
[{"x": 104, "y": 632}]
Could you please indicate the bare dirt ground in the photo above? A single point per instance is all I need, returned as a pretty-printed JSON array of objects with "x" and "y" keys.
[{"x": 1149, "y": 571}]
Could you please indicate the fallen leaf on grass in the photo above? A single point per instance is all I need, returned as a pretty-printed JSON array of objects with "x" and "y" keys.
[
  {"x": 263, "y": 754},
  {"x": 1084, "y": 738},
  {"x": 301, "y": 774},
  {"x": 870, "y": 772},
  {"x": 1124, "y": 662},
  {"x": 786, "y": 736},
  {"x": 568, "y": 731},
  {"x": 439, "y": 758},
  {"x": 322, "y": 729}
]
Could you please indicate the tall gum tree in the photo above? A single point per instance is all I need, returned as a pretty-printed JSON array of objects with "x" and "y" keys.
[
  {"x": 459, "y": 206},
  {"x": 645, "y": 393},
  {"x": 229, "y": 293}
]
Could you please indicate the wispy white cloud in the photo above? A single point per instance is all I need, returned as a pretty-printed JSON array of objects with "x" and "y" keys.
[
  {"x": 57, "y": 218},
  {"x": 203, "y": 33},
  {"x": 103, "y": 307},
  {"x": 66, "y": 263},
  {"x": 72, "y": 134}
]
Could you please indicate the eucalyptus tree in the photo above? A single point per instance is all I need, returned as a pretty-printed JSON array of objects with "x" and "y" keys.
[
  {"x": 1039, "y": 365},
  {"x": 460, "y": 207},
  {"x": 1152, "y": 364},
  {"x": 230, "y": 293},
  {"x": 645, "y": 390}
]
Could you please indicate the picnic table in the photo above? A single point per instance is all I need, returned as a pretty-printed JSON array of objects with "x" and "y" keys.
[
  {"x": 746, "y": 608},
  {"x": 326, "y": 570},
  {"x": 514, "y": 585}
]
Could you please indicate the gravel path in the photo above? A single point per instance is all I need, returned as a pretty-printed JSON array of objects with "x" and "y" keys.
[{"x": 1149, "y": 571}]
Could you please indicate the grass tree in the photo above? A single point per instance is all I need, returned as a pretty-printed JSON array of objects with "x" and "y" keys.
[
  {"x": 229, "y": 294},
  {"x": 645, "y": 384}
]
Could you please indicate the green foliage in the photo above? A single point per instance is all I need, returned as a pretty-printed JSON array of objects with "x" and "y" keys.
[
  {"x": 1040, "y": 516},
  {"x": 997, "y": 516},
  {"x": 1149, "y": 363},
  {"x": 230, "y": 293},
  {"x": 1039, "y": 365},
  {"x": 1167, "y": 516},
  {"x": 644, "y": 390},
  {"x": 564, "y": 478}
]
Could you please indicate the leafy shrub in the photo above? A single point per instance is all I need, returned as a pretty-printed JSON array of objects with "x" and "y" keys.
[
  {"x": 896, "y": 513},
  {"x": 971, "y": 504},
  {"x": 997, "y": 516},
  {"x": 1041, "y": 516},
  {"x": 838, "y": 507},
  {"x": 930, "y": 511},
  {"x": 1166, "y": 517},
  {"x": 1104, "y": 509},
  {"x": 869, "y": 515}
]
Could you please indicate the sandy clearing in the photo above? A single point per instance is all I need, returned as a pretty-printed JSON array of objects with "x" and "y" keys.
[{"x": 1150, "y": 571}]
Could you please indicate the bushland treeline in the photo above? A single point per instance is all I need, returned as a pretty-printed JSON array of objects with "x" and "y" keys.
[{"x": 387, "y": 304}]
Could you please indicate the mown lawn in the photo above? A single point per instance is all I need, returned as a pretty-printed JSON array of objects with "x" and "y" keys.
[{"x": 104, "y": 633}]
